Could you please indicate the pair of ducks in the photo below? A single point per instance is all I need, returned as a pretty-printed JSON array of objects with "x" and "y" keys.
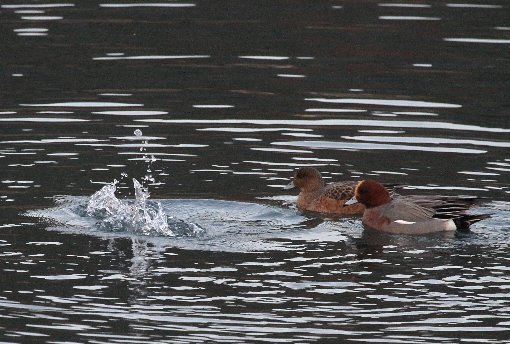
[{"x": 381, "y": 209}]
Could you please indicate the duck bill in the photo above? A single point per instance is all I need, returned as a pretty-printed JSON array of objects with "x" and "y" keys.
[
  {"x": 351, "y": 201},
  {"x": 289, "y": 186}
]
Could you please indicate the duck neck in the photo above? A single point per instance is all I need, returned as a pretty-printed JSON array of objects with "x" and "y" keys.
[
  {"x": 306, "y": 197},
  {"x": 314, "y": 186}
]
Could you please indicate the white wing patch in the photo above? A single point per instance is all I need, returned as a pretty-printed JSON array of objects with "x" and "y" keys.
[{"x": 402, "y": 222}]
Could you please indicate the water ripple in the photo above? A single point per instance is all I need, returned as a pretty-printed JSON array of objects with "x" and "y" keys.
[
  {"x": 427, "y": 140},
  {"x": 410, "y": 18},
  {"x": 14, "y": 6},
  {"x": 478, "y": 40},
  {"x": 83, "y": 104},
  {"x": 385, "y": 102},
  {"x": 150, "y": 57},
  {"x": 335, "y": 122},
  {"x": 42, "y": 119},
  {"x": 376, "y": 146},
  {"x": 149, "y": 4}
]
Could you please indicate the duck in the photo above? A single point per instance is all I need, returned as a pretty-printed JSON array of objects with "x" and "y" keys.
[
  {"x": 411, "y": 215},
  {"x": 317, "y": 197}
]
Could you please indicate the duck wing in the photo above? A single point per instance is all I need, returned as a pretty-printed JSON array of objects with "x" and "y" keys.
[
  {"x": 340, "y": 190},
  {"x": 445, "y": 206},
  {"x": 403, "y": 209},
  {"x": 345, "y": 190},
  {"x": 450, "y": 207}
]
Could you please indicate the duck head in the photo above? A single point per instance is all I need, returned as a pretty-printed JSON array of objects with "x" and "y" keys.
[
  {"x": 370, "y": 193},
  {"x": 306, "y": 179}
]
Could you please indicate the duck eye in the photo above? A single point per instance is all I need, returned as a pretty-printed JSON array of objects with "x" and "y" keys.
[{"x": 361, "y": 191}]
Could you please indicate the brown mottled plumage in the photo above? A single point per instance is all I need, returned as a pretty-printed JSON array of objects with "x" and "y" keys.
[{"x": 329, "y": 199}]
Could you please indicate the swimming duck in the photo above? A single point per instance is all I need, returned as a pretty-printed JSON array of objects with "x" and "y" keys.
[
  {"x": 315, "y": 196},
  {"x": 403, "y": 215}
]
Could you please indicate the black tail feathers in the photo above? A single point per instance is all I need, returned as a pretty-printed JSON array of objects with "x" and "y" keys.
[{"x": 463, "y": 221}]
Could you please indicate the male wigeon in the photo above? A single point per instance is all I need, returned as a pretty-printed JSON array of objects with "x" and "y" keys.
[
  {"x": 403, "y": 215},
  {"x": 317, "y": 197}
]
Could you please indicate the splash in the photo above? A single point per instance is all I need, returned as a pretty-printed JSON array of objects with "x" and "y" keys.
[
  {"x": 134, "y": 216},
  {"x": 105, "y": 212},
  {"x": 149, "y": 160},
  {"x": 139, "y": 216}
]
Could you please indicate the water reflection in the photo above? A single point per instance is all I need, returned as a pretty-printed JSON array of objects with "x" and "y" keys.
[
  {"x": 42, "y": 119},
  {"x": 42, "y": 18},
  {"x": 431, "y": 140},
  {"x": 478, "y": 40},
  {"x": 131, "y": 113},
  {"x": 149, "y": 57},
  {"x": 355, "y": 88},
  {"x": 210, "y": 106},
  {"x": 154, "y": 4},
  {"x": 292, "y": 76},
  {"x": 410, "y": 18},
  {"x": 376, "y": 146},
  {"x": 57, "y": 5},
  {"x": 158, "y": 290},
  {"x": 84, "y": 104},
  {"x": 334, "y": 110},
  {"x": 335, "y": 122},
  {"x": 385, "y": 102},
  {"x": 31, "y": 32},
  {"x": 476, "y": 6},
  {"x": 404, "y": 5},
  {"x": 262, "y": 57}
]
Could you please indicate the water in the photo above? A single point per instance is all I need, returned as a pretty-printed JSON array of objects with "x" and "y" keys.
[{"x": 210, "y": 107}]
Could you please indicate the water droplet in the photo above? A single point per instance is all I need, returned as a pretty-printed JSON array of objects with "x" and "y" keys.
[{"x": 138, "y": 216}]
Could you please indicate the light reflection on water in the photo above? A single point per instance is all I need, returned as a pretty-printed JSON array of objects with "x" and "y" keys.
[
  {"x": 154, "y": 4},
  {"x": 386, "y": 102},
  {"x": 151, "y": 57},
  {"x": 231, "y": 100},
  {"x": 377, "y": 146},
  {"x": 409, "y": 18},
  {"x": 297, "y": 294},
  {"x": 337, "y": 122},
  {"x": 84, "y": 104}
]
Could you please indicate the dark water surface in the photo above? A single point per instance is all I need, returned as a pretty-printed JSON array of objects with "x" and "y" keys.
[{"x": 212, "y": 105}]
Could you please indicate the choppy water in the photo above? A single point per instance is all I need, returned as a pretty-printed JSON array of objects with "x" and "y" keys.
[{"x": 211, "y": 106}]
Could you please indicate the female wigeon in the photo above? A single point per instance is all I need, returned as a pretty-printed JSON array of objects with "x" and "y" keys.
[
  {"x": 317, "y": 197},
  {"x": 402, "y": 215}
]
